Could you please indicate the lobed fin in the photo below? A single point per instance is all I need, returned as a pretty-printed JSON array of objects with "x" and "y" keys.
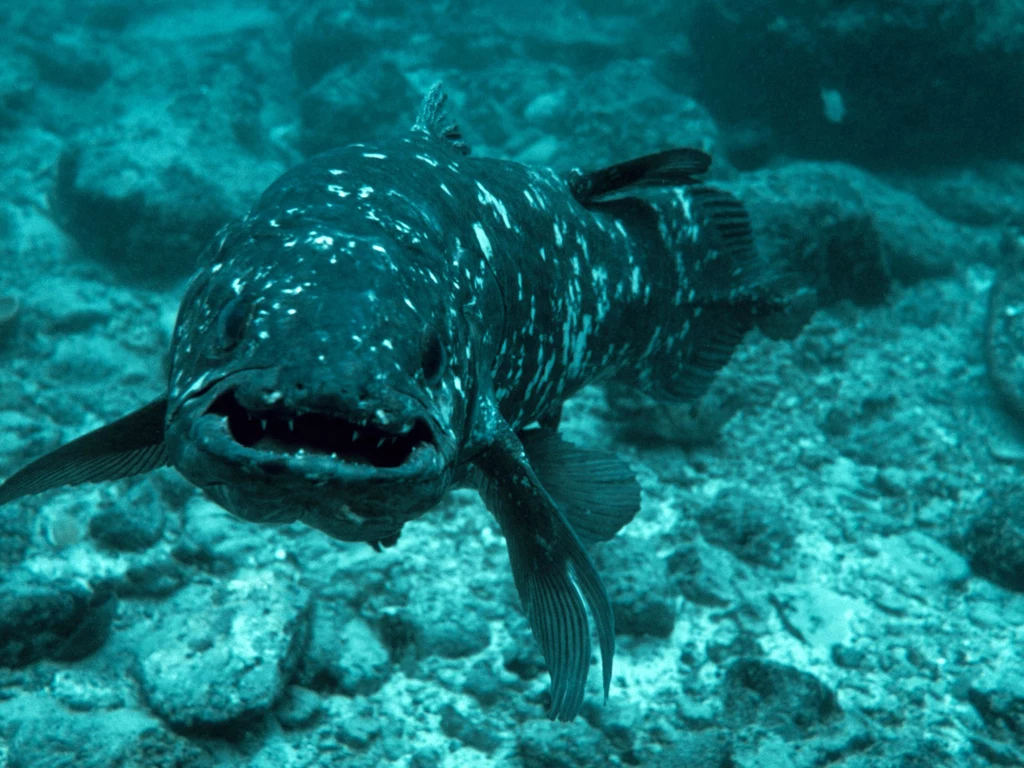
[
  {"x": 433, "y": 119},
  {"x": 597, "y": 493},
  {"x": 555, "y": 577},
  {"x": 671, "y": 168},
  {"x": 129, "y": 446}
]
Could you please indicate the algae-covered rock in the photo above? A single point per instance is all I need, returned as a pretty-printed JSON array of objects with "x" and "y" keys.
[{"x": 222, "y": 654}]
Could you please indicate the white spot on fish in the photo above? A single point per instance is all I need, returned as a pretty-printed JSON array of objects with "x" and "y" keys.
[
  {"x": 379, "y": 248},
  {"x": 323, "y": 241},
  {"x": 483, "y": 240},
  {"x": 387, "y": 343},
  {"x": 374, "y": 155},
  {"x": 429, "y": 161},
  {"x": 216, "y": 268},
  {"x": 365, "y": 192},
  {"x": 335, "y": 172},
  {"x": 410, "y": 305},
  {"x": 486, "y": 198},
  {"x": 337, "y": 190},
  {"x": 446, "y": 190}
]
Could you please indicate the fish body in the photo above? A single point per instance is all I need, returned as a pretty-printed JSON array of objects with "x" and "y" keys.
[{"x": 391, "y": 320}]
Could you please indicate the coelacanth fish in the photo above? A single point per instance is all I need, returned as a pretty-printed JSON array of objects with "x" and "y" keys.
[{"x": 393, "y": 320}]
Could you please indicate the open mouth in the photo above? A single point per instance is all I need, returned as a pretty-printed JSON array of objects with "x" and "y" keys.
[{"x": 355, "y": 442}]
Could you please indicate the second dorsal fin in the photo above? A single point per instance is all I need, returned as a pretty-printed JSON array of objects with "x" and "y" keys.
[
  {"x": 671, "y": 168},
  {"x": 433, "y": 119}
]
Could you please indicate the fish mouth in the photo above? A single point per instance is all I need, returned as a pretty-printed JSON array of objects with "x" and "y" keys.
[{"x": 354, "y": 441}]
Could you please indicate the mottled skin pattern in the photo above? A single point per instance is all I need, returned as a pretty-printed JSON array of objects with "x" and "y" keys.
[
  {"x": 329, "y": 284},
  {"x": 392, "y": 320}
]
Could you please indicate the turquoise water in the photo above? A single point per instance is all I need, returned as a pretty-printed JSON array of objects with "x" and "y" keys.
[{"x": 826, "y": 564}]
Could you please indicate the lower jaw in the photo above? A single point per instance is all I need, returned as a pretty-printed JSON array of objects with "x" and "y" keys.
[{"x": 212, "y": 437}]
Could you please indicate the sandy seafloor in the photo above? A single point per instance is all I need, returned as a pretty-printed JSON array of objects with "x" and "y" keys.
[{"x": 829, "y": 561}]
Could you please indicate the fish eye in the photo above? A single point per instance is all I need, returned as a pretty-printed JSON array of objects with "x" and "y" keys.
[
  {"x": 432, "y": 360},
  {"x": 232, "y": 323}
]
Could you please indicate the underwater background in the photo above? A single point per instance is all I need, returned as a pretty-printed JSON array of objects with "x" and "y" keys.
[{"x": 828, "y": 565}]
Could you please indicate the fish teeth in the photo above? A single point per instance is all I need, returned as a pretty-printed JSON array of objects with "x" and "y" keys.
[
  {"x": 355, "y": 435},
  {"x": 263, "y": 423},
  {"x": 381, "y": 442},
  {"x": 291, "y": 425}
]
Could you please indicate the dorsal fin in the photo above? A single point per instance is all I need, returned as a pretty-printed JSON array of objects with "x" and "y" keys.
[
  {"x": 129, "y": 446},
  {"x": 671, "y": 168},
  {"x": 433, "y": 119}
]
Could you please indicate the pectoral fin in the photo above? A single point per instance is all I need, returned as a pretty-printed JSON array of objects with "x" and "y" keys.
[
  {"x": 598, "y": 493},
  {"x": 129, "y": 446},
  {"x": 553, "y": 573}
]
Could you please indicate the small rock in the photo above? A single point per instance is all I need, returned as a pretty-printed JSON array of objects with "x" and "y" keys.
[
  {"x": 702, "y": 574},
  {"x": 84, "y": 692},
  {"x": 473, "y": 731},
  {"x": 158, "y": 578},
  {"x": 10, "y": 312},
  {"x": 752, "y": 528},
  {"x": 1004, "y": 331},
  {"x": 344, "y": 655},
  {"x": 145, "y": 194},
  {"x": 521, "y": 656},
  {"x": 619, "y": 722},
  {"x": 19, "y": 81},
  {"x": 355, "y": 725},
  {"x": 72, "y": 62},
  {"x": 222, "y": 654},
  {"x": 995, "y": 753},
  {"x": 547, "y": 745},
  {"x": 781, "y": 698},
  {"x": 711, "y": 748},
  {"x": 213, "y": 538},
  {"x": 327, "y": 35},
  {"x": 128, "y": 528},
  {"x": 299, "y": 708},
  {"x": 639, "y": 588},
  {"x": 125, "y": 738},
  {"x": 846, "y": 234},
  {"x": 729, "y": 641},
  {"x": 51, "y": 619},
  {"x": 892, "y": 481},
  {"x": 998, "y": 695},
  {"x": 346, "y": 105},
  {"x": 427, "y": 757},
  {"x": 447, "y": 626},
  {"x": 483, "y": 683},
  {"x": 915, "y": 556},
  {"x": 994, "y": 537}
]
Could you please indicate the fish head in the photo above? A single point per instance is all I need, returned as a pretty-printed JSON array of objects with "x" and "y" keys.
[{"x": 320, "y": 377}]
